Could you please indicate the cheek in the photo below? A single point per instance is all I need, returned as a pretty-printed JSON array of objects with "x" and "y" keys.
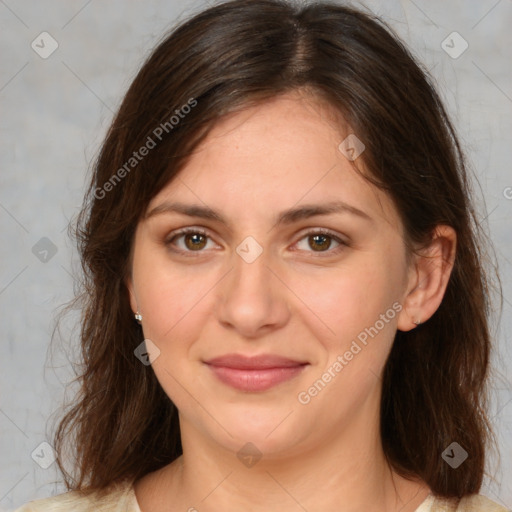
[
  {"x": 175, "y": 308},
  {"x": 359, "y": 305},
  {"x": 170, "y": 296},
  {"x": 172, "y": 306},
  {"x": 345, "y": 301}
]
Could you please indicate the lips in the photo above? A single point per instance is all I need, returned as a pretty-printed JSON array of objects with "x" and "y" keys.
[{"x": 257, "y": 373}]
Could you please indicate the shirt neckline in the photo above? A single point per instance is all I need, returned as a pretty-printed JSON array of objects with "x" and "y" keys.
[
  {"x": 133, "y": 499},
  {"x": 425, "y": 506}
]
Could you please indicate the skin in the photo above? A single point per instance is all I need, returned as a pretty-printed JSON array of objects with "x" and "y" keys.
[{"x": 298, "y": 299}]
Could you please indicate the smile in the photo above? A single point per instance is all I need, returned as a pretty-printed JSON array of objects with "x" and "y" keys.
[{"x": 252, "y": 374}]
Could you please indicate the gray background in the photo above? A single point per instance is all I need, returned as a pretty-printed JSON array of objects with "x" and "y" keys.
[{"x": 55, "y": 112}]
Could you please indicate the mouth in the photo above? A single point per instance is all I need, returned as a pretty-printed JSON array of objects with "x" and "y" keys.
[{"x": 257, "y": 373}]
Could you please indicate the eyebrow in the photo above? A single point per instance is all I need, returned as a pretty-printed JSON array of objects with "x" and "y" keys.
[{"x": 285, "y": 217}]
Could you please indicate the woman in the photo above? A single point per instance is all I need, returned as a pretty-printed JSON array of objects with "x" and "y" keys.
[{"x": 284, "y": 305}]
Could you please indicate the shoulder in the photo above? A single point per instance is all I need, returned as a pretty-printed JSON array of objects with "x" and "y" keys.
[
  {"x": 479, "y": 503},
  {"x": 120, "y": 498},
  {"x": 472, "y": 503}
]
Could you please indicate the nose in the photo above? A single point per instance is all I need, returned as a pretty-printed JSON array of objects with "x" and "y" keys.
[{"x": 251, "y": 299}]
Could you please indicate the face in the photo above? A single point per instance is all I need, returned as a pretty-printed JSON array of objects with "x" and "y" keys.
[{"x": 270, "y": 275}]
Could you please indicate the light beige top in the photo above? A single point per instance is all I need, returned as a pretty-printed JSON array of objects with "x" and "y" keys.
[{"x": 122, "y": 499}]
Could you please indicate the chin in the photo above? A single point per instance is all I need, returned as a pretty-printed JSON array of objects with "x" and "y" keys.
[{"x": 271, "y": 430}]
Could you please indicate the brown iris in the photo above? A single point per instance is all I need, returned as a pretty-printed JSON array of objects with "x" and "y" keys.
[
  {"x": 195, "y": 241},
  {"x": 322, "y": 241}
]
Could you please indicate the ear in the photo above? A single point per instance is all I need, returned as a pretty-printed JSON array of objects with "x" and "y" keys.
[
  {"x": 131, "y": 292},
  {"x": 428, "y": 278}
]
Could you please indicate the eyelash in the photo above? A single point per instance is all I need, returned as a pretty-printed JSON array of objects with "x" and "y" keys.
[{"x": 321, "y": 231}]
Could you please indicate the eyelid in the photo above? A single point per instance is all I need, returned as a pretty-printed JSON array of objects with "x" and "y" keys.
[
  {"x": 305, "y": 233},
  {"x": 324, "y": 231},
  {"x": 184, "y": 231}
]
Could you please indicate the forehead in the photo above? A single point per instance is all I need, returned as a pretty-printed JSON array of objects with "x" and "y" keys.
[{"x": 274, "y": 156}]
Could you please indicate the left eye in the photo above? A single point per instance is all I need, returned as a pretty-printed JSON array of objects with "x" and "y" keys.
[{"x": 319, "y": 241}]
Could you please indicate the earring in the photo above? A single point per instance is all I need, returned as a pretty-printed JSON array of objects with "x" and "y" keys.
[
  {"x": 138, "y": 317},
  {"x": 416, "y": 322}
]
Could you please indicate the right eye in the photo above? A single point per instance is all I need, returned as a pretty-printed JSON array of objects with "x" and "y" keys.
[{"x": 188, "y": 240}]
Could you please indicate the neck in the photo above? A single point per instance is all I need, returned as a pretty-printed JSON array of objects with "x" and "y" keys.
[{"x": 346, "y": 473}]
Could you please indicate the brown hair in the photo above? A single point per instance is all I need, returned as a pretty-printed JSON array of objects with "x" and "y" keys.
[{"x": 224, "y": 59}]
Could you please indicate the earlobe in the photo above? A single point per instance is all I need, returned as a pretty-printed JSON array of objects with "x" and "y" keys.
[{"x": 429, "y": 278}]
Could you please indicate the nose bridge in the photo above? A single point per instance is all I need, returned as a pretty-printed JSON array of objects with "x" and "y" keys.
[
  {"x": 250, "y": 277},
  {"x": 251, "y": 297}
]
